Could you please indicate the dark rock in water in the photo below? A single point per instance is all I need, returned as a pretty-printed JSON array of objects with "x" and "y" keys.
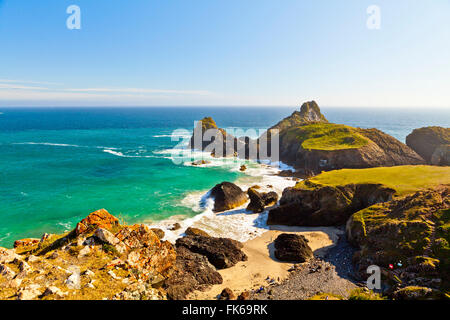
[
  {"x": 292, "y": 248},
  {"x": 243, "y": 167},
  {"x": 258, "y": 201},
  {"x": 200, "y": 162},
  {"x": 227, "y": 196},
  {"x": 326, "y": 206},
  {"x": 432, "y": 143},
  {"x": 193, "y": 271},
  {"x": 195, "y": 232},
  {"x": 175, "y": 226},
  {"x": 227, "y": 294},
  {"x": 221, "y": 252}
]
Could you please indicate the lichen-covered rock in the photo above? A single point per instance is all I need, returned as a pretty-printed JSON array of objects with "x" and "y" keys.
[
  {"x": 29, "y": 242},
  {"x": 192, "y": 271},
  {"x": 258, "y": 200},
  {"x": 326, "y": 205},
  {"x": 432, "y": 143},
  {"x": 292, "y": 248},
  {"x": 416, "y": 293},
  {"x": 227, "y": 196},
  {"x": 221, "y": 252},
  {"x": 98, "y": 219}
]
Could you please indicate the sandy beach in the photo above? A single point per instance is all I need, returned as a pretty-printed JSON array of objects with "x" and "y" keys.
[{"x": 262, "y": 264}]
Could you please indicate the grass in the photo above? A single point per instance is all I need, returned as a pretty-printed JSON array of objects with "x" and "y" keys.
[
  {"x": 326, "y": 136},
  {"x": 403, "y": 179}
]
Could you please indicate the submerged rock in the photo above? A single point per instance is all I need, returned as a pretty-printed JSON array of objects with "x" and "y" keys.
[
  {"x": 292, "y": 248},
  {"x": 221, "y": 252},
  {"x": 227, "y": 196}
]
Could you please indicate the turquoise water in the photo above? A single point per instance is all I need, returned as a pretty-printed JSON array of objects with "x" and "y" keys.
[{"x": 58, "y": 165}]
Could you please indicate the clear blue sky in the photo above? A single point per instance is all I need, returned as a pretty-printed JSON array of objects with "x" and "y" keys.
[{"x": 225, "y": 52}]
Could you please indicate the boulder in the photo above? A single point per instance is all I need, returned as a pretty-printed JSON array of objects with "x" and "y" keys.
[
  {"x": 159, "y": 232},
  {"x": 23, "y": 243},
  {"x": 8, "y": 255},
  {"x": 326, "y": 206},
  {"x": 192, "y": 271},
  {"x": 138, "y": 236},
  {"x": 432, "y": 143},
  {"x": 258, "y": 201},
  {"x": 245, "y": 295},
  {"x": 106, "y": 236},
  {"x": 227, "y": 196},
  {"x": 227, "y": 294},
  {"x": 243, "y": 167},
  {"x": 221, "y": 252},
  {"x": 98, "y": 219},
  {"x": 175, "y": 226},
  {"x": 191, "y": 231},
  {"x": 292, "y": 248},
  {"x": 29, "y": 292},
  {"x": 55, "y": 291},
  {"x": 6, "y": 271}
]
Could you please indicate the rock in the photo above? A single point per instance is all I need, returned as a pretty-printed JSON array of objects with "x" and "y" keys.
[
  {"x": 416, "y": 293},
  {"x": 24, "y": 267},
  {"x": 192, "y": 271},
  {"x": 73, "y": 281},
  {"x": 243, "y": 167},
  {"x": 221, "y": 252},
  {"x": 45, "y": 237},
  {"x": 113, "y": 275},
  {"x": 6, "y": 271},
  {"x": 432, "y": 143},
  {"x": 89, "y": 273},
  {"x": 84, "y": 252},
  {"x": 106, "y": 236},
  {"x": 175, "y": 226},
  {"x": 53, "y": 255},
  {"x": 159, "y": 232},
  {"x": 138, "y": 236},
  {"x": 8, "y": 255},
  {"x": 23, "y": 243},
  {"x": 98, "y": 219},
  {"x": 410, "y": 229},
  {"x": 292, "y": 248},
  {"x": 30, "y": 292},
  {"x": 227, "y": 196},
  {"x": 52, "y": 290},
  {"x": 140, "y": 291},
  {"x": 258, "y": 201},
  {"x": 32, "y": 259},
  {"x": 245, "y": 295},
  {"x": 325, "y": 206},
  {"x": 191, "y": 231},
  {"x": 227, "y": 294},
  {"x": 200, "y": 162}
]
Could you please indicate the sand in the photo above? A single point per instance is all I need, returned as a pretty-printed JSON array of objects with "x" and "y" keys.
[{"x": 261, "y": 263}]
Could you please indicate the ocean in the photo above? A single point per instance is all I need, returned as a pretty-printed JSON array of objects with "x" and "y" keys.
[{"x": 59, "y": 164}]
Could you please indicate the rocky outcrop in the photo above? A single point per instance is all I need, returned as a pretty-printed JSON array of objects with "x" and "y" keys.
[
  {"x": 227, "y": 196},
  {"x": 98, "y": 219},
  {"x": 258, "y": 201},
  {"x": 432, "y": 143},
  {"x": 192, "y": 272},
  {"x": 326, "y": 206},
  {"x": 221, "y": 252},
  {"x": 409, "y": 235},
  {"x": 292, "y": 248}
]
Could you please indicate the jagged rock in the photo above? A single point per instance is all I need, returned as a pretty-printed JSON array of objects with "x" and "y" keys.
[
  {"x": 292, "y": 248},
  {"x": 258, "y": 201},
  {"x": 192, "y": 271},
  {"x": 227, "y": 294},
  {"x": 29, "y": 242},
  {"x": 6, "y": 271},
  {"x": 52, "y": 290},
  {"x": 432, "y": 143},
  {"x": 140, "y": 291},
  {"x": 227, "y": 196},
  {"x": 326, "y": 206},
  {"x": 8, "y": 255},
  {"x": 98, "y": 219},
  {"x": 106, "y": 236},
  {"x": 24, "y": 267},
  {"x": 30, "y": 292},
  {"x": 191, "y": 231},
  {"x": 73, "y": 281},
  {"x": 137, "y": 236},
  {"x": 159, "y": 232},
  {"x": 221, "y": 252}
]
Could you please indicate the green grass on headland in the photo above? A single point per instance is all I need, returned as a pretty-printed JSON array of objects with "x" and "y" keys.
[
  {"x": 403, "y": 179},
  {"x": 326, "y": 136}
]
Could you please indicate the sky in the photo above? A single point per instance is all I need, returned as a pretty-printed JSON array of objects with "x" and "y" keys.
[{"x": 225, "y": 53}]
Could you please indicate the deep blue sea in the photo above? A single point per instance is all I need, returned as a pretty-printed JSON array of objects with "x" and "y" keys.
[{"x": 59, "y": 164}]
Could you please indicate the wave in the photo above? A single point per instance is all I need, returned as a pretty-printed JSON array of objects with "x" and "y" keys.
[
  {"x": 120, "y": 154},
  {"x": 50, "y": 144},
  {"x": 172, "y": 136}
]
